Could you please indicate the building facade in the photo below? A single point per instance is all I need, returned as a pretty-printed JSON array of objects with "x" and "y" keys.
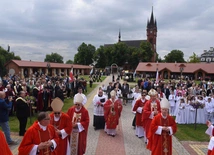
[
  {"x": 27, "y": 68},
  {"x": 208, "y": 56},
  {"x": 193, "y": 71}
]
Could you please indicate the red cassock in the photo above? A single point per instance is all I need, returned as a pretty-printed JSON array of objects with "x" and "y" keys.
[
  {"x": 4, "y": 148},
  {"x": 147, "y": 110},
  {"x": 63, "y": 123},
  {"x": 139, "y": 103},
  {"x": 161, "y": 144},
  {"x": 83, "y": 119},
  {"x": 112, "y": 114},
  {"x": 211, "y": 152},
  {"x": 40, "y": 103},
  {"x": 34, "y": 136}
]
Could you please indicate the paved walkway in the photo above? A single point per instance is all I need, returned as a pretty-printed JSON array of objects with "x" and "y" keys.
[{"x": 125, "y": 142}]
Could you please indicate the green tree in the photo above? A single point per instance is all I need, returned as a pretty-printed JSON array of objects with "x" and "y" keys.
[
  {"x": 108, "y": 55},
  {"x": 100, "y": 57},
  {"x": 174, "y": 56},
  {"x": 53, "y": 57},
  {"x": 158, "y": 58},
  {"x": 85, "y": 54},
  {"x": 194, "y": 58},
  {"x": 146, "y": 52},
  {"x": 134, "y": 57},
  {"x": 6, "y": 56},
  {"x": 69, "y": 62},
  {"x": 120, "y": 54}
]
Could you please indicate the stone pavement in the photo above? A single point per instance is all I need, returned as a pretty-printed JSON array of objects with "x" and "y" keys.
[{"x": 125, "y": 142}]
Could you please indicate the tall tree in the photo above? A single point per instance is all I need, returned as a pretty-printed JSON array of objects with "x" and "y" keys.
[
  {"x": 85, "y": 54},
  {"x": 53, "y": 57},
  {"x": 108, "y": 55},
  {"x": 100, "y": 57},
  {"x": 194, "y": 58},
  {"x": 174, "y": 56},
  {"x": 120, "y": 53},
  {"x": 69, "y": 62},
  {"x": 146, "y": 52},
  {"x": 5, "y": 56},
  {"x": 134, "y": 57}
]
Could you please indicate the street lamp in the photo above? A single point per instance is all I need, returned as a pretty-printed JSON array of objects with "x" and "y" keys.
[{"x": 181, "y": 70}]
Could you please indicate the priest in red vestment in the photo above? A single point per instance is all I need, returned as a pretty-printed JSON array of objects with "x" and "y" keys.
[
  {"x": 4, "y": 148},
  {"x": 151, "y": 109},
  {"x": 41, "y": 138},
  {"x": 62, "y": 123},
  {"x": 80, "y": 122},
  {"x": 112, "y": 111},
  {"x": 161, "y": 130},
  {"x": 138, "y": 108}
]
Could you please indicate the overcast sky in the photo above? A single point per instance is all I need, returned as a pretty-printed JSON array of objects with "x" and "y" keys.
[{"x": 34, "y": 28}]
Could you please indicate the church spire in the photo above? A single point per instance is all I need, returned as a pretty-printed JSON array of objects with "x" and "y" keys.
[
  {"x": 152, "y": 21},
  {"x": 119, "y": 36},
  {"x": 152, "y": 34},
  {"x": 152, "y": 17}
]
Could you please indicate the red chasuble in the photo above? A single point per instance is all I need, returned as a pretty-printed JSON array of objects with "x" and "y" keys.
[
  {"x": 147, "y": 110},
  {"x": 4, "y": 148},
  {"x": 63, "y": 123},
  {"x": 161, "y": 144},
  {"x": 83, "y": 119},
  {"x": 139, "y": 103},
  {"x": 112, "y": 113},
  {"x": 34, "y": 136}
]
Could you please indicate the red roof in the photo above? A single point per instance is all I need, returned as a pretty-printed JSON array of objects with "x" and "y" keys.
[
  {"x": 24, "y": 63},
  {"x": 175, "y": 67}
]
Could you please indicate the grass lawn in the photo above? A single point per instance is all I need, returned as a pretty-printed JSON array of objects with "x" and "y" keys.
[{"x": 187, "y": 132}]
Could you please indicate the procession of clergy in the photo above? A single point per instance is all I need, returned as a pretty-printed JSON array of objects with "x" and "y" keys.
[{"x": 66, "y": 133}]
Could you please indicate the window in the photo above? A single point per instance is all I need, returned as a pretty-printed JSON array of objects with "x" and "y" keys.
[{"x": 202, "y": 59}]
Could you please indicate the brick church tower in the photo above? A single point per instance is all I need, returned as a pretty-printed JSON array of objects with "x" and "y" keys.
[{"x": 152, "y": 34}]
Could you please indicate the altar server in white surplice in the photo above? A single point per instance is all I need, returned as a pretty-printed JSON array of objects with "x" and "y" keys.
[
  {"x": 181, "y": 115},
  {"x": 190, "y": 111},
  {"x": 177, "y": 103},
  {"x": 172, "y": 101},
  {"x": 209, "y": 109}
]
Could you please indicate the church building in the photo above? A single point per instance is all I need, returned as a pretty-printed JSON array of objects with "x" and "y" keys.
[{"x": 151, "y": 31}]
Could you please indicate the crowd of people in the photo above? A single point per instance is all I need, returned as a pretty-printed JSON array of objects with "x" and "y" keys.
[
  {"x": 154, "y": 105},
  {"x": 22, "y": 97},
  {"x": 184, "y": 97},
  {"x": 42, "y": 87},
  {"x": 151, "y": 120}
]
